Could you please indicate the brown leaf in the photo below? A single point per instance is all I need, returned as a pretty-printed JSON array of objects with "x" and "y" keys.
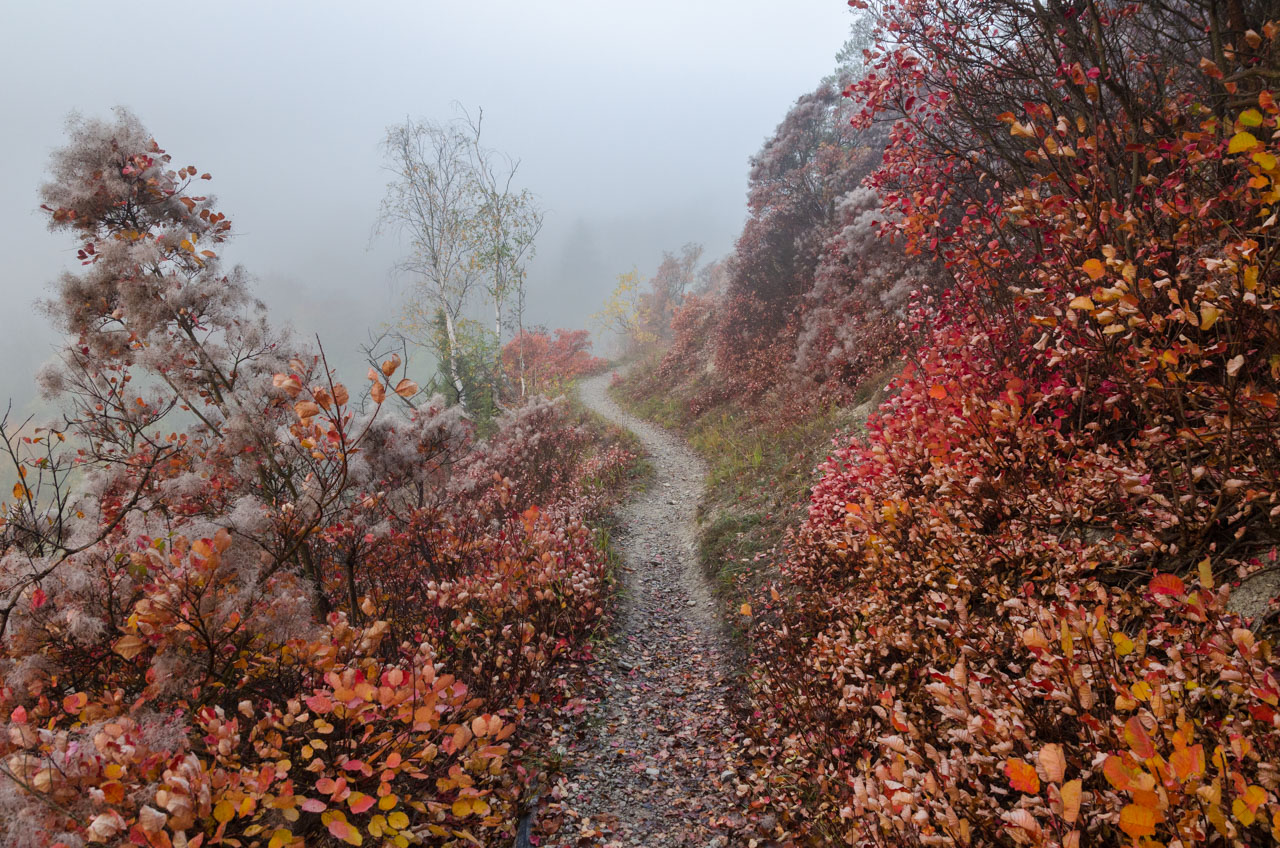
[{"x": 1053, "y": 764}]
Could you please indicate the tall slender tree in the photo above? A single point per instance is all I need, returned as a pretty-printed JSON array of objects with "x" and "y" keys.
[
  {"x": 434, "y": 201},
  {"x": 510, "y": 220}
]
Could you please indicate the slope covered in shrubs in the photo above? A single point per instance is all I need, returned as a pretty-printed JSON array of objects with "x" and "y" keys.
[
  {"x": 243, "y": 604},
  {"x": 1023, "y": 606}
]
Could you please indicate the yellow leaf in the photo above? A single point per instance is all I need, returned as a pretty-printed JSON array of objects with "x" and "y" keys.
[
  {"x": 1082, "y": 304},
  {"x": 745, "y": 609},
  {"x": 224, "y": 812},
  {"x": 398, "y": 820},
  {"x": 280, "y": 838},
  {"x": 1208, "y": 315},
  {"x": 1124, "y": 645},
  {"x": 1206, "y": 573},
  {"x": 1241, "y": 811},
  {"x": 1251, "y": 118},
  {"x": 1094, "y": 269},
  {"x": 1071, "y": 800},
  {"x": 1241, "y": 142},
  {"x": 1264, "y": 160}
]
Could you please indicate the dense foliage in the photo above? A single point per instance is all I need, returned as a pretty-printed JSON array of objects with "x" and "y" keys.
[
  {"x": 1034, "y": 603},
  {"x": 537, "y": 361},
  {"x": 241, "y": 604}
]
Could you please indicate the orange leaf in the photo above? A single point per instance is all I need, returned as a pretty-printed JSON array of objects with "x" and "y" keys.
[
  {"x": 1138, "y": 821},
  {"x": 1135, "y": 733},
  {"x": 306, "y": 409},
  {"x": 1120, "y": 774},
  {"x": 745, "y": 609},
  {"x": 1254, "y": 797},
  {"x": 1093, "y": 268},
  {"x": 129, "y": 646},
  {"x": 1022, "y": 776},
  {"x": 406, "y": 388},
  {"x": 938, "y": 392},
  {"x": 1189, "y": 762}
]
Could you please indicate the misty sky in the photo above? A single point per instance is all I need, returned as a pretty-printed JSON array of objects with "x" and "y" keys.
[{"x": 634, "y": 123}]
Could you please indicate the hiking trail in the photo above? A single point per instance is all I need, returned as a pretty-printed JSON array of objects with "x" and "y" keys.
[{"x": 646, "y": 768}]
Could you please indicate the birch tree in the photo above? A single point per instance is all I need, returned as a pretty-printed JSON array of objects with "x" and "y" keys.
[
  {"x": 510, "y": 221},
  {"x": 435, "y": 202}
]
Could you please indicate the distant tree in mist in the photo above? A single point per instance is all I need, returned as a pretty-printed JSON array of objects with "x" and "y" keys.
[
  {"x": 469, "y": 231},
  {"x": 623, "y": 313},
  {"x": 510, "y": 221},
  {"x": 434, "y": 202}
]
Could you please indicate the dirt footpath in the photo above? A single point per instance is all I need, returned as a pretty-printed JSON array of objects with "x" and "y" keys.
[{"x": 645, "y": 768}]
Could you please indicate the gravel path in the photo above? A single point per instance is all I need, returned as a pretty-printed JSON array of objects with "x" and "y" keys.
[{"x": 647, "y": 765}]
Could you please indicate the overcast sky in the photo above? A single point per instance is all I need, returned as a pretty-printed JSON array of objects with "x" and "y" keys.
[{"x": 633, "y": 121}]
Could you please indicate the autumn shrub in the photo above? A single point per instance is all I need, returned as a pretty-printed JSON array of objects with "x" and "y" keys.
[
  {"x": 1009, "y": 617},
  {"x": 297, "y": 618},
  {"x": 542, "y": 363}
]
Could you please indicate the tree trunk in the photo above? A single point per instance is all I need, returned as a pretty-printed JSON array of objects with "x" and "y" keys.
[
  {"x": 520, "y": 335},
  {"x": 497, "y": 358},
  {"x": 453, "y": 360}
]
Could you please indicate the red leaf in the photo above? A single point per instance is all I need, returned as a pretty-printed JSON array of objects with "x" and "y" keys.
[{"x": 1167, "y": 584}]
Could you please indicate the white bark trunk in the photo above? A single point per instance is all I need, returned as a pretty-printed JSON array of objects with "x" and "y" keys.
[
  {"x": 453, "y": 360},
  {"x": 497, "y": 364}
]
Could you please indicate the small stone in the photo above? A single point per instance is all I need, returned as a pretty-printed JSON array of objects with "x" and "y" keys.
[{"x": 652, "y": 772}]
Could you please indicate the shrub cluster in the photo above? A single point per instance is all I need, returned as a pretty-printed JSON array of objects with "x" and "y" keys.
[{"x": 241, "y": 604}]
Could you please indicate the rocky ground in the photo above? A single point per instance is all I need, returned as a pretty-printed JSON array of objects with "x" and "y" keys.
[{"x": 648, "y": 765}]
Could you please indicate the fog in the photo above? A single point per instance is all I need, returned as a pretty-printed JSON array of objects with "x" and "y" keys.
[{"x": 633, "y": 122}]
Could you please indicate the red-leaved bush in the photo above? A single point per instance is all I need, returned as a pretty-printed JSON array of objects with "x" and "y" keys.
[
  {"x": 546, "y": 364},
  {"x": 1015, "y": 613}
]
